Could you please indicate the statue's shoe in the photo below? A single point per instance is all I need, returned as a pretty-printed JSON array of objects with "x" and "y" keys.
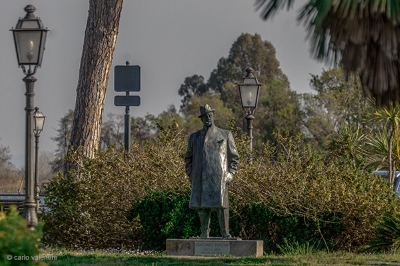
[
  {"x": 204, "y": 235},
  {"x": 226, "y": 236}
]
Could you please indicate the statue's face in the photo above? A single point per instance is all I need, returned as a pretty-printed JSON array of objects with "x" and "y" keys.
[{"x": 208, "y": 119}]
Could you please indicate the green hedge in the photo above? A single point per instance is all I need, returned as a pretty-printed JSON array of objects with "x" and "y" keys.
[{"x": 166, "y": 214}]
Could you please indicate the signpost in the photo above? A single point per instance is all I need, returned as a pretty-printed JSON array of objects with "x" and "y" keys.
[
  {"x": 127, "y": 79},
  {"x": 127, "y": 100}
]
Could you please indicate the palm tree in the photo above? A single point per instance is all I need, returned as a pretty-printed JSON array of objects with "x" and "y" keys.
[
  {"x": 384, "y": 147},
  {"x": 390, "y": 116},
  {"x": 377, "y": 150},
  {"x": 364, "y": 33}
]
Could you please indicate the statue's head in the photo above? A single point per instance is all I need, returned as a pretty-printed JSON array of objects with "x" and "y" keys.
[{"x": 207, "y": 115}]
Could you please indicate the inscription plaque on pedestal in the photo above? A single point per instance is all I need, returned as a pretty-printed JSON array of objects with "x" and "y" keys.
[
  {"x": 208, "y": 248},
  {"x": 214, "y": 246}
]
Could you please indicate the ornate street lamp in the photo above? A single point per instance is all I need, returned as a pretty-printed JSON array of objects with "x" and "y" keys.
[
  {"x": 39, "y": 123},
  {"x": 249, "y": 90},
  {"x": 29, "y": 38}
]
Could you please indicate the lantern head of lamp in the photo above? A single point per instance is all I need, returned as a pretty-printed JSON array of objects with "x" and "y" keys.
[
  {"x": 249, "y": 90},
  {"x": 29, "y": 39},
  {"x": 39, "y": 121}
]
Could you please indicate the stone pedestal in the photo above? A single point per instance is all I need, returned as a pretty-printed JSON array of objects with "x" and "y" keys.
[{"x": 214, "y": 246}]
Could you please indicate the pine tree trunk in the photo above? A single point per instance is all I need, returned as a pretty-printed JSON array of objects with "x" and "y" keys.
[{"x": 97, "y": 54}]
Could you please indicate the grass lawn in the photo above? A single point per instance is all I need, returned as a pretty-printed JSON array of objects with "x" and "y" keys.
[{"x": 71, "y": 258}]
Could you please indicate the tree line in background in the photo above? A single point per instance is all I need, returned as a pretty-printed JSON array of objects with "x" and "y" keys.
[
  {"x": 359, "y": 33},
  {"x": 12, "y": 177},
  {"x": 336, "y": 110}
]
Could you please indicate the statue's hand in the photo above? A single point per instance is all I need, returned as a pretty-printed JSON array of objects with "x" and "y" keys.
[
  {"x": 229, "y": 178},
  {"x": 189, "y": 171}
]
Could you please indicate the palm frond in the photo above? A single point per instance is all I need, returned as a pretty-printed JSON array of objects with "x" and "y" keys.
[
  {"x": 387, "y": 235},
  {"x": 377, "y": 150},
  {"x": 271, "y": 7},
  {"x": 365, "y": 34},
  {"x": 389, "y": 116}
]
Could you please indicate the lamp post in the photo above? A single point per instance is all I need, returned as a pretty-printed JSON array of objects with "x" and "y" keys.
[
  {"x": 29, "y": 39},
  {"x": 39, "y": 123},
  {"x": 249, "y": 90}
]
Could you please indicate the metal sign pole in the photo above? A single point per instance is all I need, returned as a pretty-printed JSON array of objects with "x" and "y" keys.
[
  {"x": 127, "y": 123},
  {"x": 127, "y": 127},
  {"x": 127, "y": 79}
]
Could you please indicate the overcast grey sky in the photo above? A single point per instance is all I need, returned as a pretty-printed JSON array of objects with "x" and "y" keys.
[{"x": 169, "y": 39}]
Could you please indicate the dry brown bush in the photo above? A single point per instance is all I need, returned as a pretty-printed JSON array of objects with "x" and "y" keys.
[
  {"x": 10, "y": 181},
  {"x": 293, "y": 180}
]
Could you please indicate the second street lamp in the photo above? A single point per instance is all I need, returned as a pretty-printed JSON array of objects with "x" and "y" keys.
[
  {"x": 39, "y": 123},
  {"x": 29, "y": 38},
  {"x": 249, "y": 90}
]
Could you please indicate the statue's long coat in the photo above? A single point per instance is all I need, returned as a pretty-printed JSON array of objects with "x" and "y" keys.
[{"x": 210, "y": 155}]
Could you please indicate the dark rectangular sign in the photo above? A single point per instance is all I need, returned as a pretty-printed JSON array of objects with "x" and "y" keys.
[
  {"x": 126, "y": 100},
  {"x": 127, "y": 78}
]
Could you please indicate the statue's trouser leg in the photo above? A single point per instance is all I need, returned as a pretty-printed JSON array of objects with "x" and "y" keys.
[
  {"x": 223, "y": 219},
  {"x": 205, "y": 222}
]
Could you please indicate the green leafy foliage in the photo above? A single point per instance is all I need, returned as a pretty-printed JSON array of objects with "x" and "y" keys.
[
  {"x": 336, "y": 104},
  {"x": 383, "y": 149},
  {"x": 297, "y": 249},
  {"x": 257, "y": 221},
  {"x": 279, "y": 107},
  {"x": 17, "y": 241},
  {"x": 223, "y": 115},
  {"x": 165, "y": 214}
]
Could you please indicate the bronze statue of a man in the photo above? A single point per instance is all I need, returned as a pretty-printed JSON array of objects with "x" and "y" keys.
[{"x": 211, "y": 162}]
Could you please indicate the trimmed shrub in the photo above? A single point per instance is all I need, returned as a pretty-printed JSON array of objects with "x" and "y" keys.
[
  {"x": 166, "y": 214},
  {"x": 163, "y": 215}
]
